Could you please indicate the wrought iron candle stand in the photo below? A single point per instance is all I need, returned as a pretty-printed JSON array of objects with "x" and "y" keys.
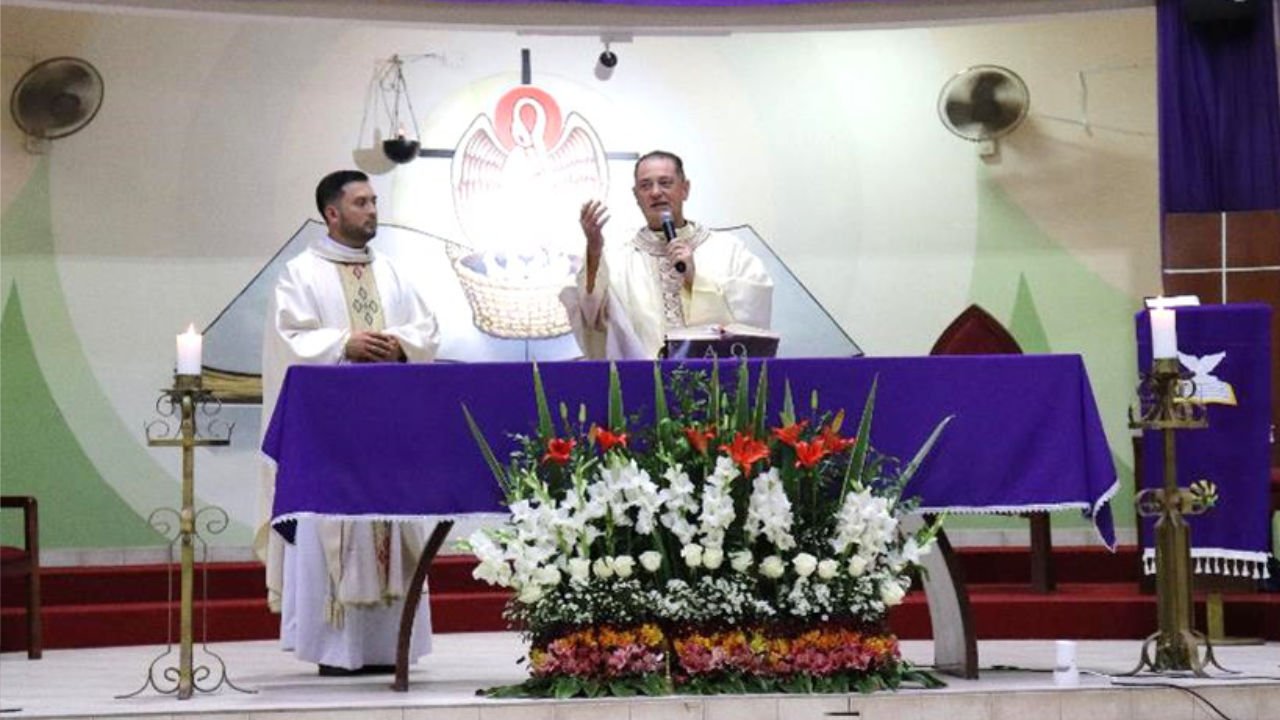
[
  {"x": 1165, "y": 403},
  {"x": 183, "y": 401}
]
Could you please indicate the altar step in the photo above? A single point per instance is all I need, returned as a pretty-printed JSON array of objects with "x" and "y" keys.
[{"x": 1097, "y": 598}]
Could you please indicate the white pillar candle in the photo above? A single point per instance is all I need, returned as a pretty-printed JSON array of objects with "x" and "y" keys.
[
  {"x": 189, "y": 348},
  {"x": 1164, "y": 333}
]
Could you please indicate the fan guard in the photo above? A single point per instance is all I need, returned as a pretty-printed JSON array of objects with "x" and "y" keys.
[
  {"x": 56, "y": 98},
  {"x": 983, "y": 103}
]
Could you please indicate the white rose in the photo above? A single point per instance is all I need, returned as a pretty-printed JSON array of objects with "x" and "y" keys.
[
  {"x": 712, "y": 558},
  {"x": 805, "y": 564},
  {"x": 530, "y": 593},
  {"x": 548, "y": 576},
  {"x": 828, "y": 568},
  {"x": 624, "y": 565},
  {"x": 692, "y": 554},
  {"x": 602, "y": 567},
  {"x": 580, "y": 570},
  {"x": 857, "y": 565},
  {"x": 651, "y": 560},
  {"x": 891, "y": 593},
  {"x": 772, "y": 567},
  {"x": 741, "y": 560}
]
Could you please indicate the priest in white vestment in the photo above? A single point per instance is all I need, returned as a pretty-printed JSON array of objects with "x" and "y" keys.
[
  {"x": 629, "y": 295},
  {"x": 340, "y": 584}
]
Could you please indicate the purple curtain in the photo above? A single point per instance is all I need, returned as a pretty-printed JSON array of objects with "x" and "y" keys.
[{"x": 1219, "y": 111}]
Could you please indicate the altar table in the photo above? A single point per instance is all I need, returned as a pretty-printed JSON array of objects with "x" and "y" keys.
[{"x": 390, "y": 440}]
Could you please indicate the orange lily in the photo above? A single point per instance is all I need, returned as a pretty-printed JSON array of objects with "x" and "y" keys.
[
  {"x": 558, "y": 450},
  {"x": 790, "y": 434},
  {"x": 699, "y": 438},
  {"x": 833, "y": 442},
  {"x": 746, "y": 451},
  {"x": 608, "y": 440},
  {"x": 809, "y": 453}
]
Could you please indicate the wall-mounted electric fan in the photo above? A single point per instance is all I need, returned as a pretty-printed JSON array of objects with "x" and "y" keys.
[
  {"x": 984, "y": 103},
  {"x": 55, "y": 98}
]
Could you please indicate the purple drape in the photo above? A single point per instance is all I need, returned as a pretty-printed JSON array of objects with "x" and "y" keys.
[
  {"x": 383, "y": 440},
  {"x": 1219, "y": 112}
]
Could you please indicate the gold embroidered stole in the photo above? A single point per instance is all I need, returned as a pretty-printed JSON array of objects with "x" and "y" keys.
[
  {"x": 364, "y": 304},
  {"x": 355, "y": 589},
  {"x": 670, "y": 281}
]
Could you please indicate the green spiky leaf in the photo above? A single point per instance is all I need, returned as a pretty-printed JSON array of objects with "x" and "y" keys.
[
  {"x": 759, "y": 417},
  {"x": 853, "y": 479},
  {"x": 546, "y": 428},
  {"x": 617, "y": 420},
  {"x": 660, "y": 411},
  {"x": 788, "y": 414},
  {"x": 742, "y": 398},
  {"x": 914, "y": 465},
  {"x": 489, "y": 458}
]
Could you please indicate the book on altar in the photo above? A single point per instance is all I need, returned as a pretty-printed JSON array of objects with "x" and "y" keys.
[{"x": 732, "y": 340}]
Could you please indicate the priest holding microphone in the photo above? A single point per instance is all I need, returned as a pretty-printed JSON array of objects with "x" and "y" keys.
[{"x": 672, "y": 274}]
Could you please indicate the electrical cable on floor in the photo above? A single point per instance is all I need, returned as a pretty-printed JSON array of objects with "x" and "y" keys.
[
  {"x": 1175, "y": 686},
  {"x": 1138, "y": 682}
]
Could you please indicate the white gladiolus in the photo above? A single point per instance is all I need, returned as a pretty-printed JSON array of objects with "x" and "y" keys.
[
  {"x": 580, "y": 570},
  {"x": 857, "y": 565},
  {"x": 493, "y": 573},
  {"x": 828, "y": 568},
  {"x": 912, "y": 551},
  {"x": 717, "y": 503},
  {"x": 741, "y": 560},
  {"x": 805, "y": 564},
  {"x": 712, "y": 558},
  {"x": 651, "y": 560},
  {"x": 772, "y": 567},
  {"x": 864, "y": 520},
  {"x": 493, "y": 567},
  {"x": 603, "y": 567},
  {"x": 678, "y": 498},
  {"x": 692, "y": 554},
  {"x": 891, "y": 593},
  {"x": 624, "y": 565},
  {"x": 769, "y": 511}
]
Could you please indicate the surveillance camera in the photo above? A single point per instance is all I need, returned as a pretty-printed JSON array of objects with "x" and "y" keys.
[{"x": 608, "y": 59}]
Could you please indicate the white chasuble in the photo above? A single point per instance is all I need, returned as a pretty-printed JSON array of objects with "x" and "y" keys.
[
  {"x": 340, "y": 587},
  {"x": 638, "y": 296}
]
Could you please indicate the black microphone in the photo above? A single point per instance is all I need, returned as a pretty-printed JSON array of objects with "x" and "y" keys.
[{"x": 669, "y": 229}]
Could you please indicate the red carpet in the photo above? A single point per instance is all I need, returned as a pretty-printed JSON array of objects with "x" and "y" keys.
[{"x": 1097, "y": 597}]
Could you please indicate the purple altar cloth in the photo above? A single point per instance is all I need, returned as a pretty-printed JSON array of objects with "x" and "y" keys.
[
  {"x": 1234, "y": 452},
  {"x": 391, "y": 439}
]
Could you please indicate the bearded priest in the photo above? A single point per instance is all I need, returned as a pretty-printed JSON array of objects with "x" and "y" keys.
[{"x": 340, "y": 584}]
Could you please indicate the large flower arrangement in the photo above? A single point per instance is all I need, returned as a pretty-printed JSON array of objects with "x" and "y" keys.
[{"x": 710, "y": 550}]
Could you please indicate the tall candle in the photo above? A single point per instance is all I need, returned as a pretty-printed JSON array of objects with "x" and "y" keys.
[
  {"x": 189, "y": 348},
  {"x": 1164, "y": 333}
]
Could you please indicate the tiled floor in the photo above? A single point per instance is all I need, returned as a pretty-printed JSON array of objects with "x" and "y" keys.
[{"x": 83, "y": 683}]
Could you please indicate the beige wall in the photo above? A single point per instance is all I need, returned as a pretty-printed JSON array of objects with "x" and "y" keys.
[{"x": 215, "y": 129}]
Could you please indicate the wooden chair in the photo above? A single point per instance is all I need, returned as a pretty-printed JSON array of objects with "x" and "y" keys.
[
  {"x": 20, "y": 562},
  {"x": 976, "y": 332}
]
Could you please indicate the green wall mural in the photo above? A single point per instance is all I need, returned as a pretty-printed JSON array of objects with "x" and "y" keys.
[
  {"x": 1052, "y": 302},
  {"x": 94, "y": 479},
  {"x": 42, "y": 456}
]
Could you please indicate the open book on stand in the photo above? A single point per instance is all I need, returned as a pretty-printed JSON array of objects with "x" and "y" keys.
[{"x": 733, "y": 340}]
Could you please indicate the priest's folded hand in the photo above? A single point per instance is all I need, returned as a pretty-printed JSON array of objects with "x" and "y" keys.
[{"x": 374, "y": 347}]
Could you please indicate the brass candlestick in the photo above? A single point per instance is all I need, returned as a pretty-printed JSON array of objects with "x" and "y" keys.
[
  {"x": 1165, "y": 403},
  {"x": 182, "y": 402}
]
